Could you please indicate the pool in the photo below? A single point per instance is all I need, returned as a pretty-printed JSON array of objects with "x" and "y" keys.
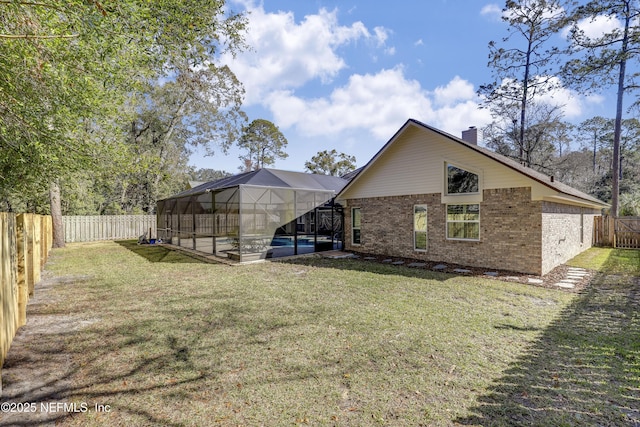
[{"x": 289, "y": 240}]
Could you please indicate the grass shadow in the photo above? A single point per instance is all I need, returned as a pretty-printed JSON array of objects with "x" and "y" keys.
[
  {"x": 584, "y": 369},
  {"x": 158, "y": 253}
]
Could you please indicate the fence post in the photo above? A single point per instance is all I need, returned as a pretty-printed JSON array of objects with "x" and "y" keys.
[
  {"x": 37, "y": 252},
  {"x": 611, "y": 227},
  {"x": 8, "y": 285},
  {"x": 23, "y": 271}
]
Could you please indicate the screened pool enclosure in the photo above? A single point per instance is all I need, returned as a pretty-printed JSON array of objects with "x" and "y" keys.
[{"x": 255, "y": 215}]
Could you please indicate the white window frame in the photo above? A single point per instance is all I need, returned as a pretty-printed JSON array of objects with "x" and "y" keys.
[
  {"x": 353, "y": 227},
  {"x": 416, "y": 231},
  {"x": 446, "y": 180},
  {"x": 447, "y": 221}
]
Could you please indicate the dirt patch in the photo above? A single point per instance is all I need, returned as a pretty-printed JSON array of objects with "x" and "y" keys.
[{"x": 36, "y": 373}]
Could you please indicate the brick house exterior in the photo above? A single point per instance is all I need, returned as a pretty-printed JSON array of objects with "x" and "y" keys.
[{"x": 526, "y": 222}]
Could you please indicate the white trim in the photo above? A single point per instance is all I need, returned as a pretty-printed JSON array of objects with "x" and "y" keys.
[
  {"x": 353, "y": 228},
  {"x": 426, "y": 228},
  {"x": 460, "y": 198},
  {"x": 446, "y": 220}
]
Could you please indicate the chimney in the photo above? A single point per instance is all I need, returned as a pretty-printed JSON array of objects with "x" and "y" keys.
[{"x": 470, "y": 135}]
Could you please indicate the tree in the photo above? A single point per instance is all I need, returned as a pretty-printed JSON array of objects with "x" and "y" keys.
[
  {"x": 630, "y": 204},
  {"x": 574, "y": 169},
  {"x": 70, "y": 67},
  {"x": 594, "y": 133},
  {"x": 331, "y": 163},
  {"x": 602, "y": 61},
  {"x": 264, "y": 143},
  {"x": 545, "y": 134},
  {"x": 167, "y": 122},
  {"x": 629, "y": 148},
  {"x": 522, "y": 71},
  {"x": 206, "y": 175},
  {"x": 561, "y": 132},
  {"x": 56, "y": 214}
]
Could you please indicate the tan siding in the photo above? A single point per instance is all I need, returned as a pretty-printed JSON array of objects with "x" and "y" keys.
[
  {"x": 414, "y": 164},
  {"x": 401, "y": 170}
]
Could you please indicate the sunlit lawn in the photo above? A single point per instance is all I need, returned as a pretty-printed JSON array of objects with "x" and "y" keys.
[{"x": 340, "y": 342}]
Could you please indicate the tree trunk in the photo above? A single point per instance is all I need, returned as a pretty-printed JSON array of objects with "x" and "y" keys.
[
  {"x": 56, "y": 215},
  {"x": 615, "y": 184},
  {"x": 615, "y": 165}
]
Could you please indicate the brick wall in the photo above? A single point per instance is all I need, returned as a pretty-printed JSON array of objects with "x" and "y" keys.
[
  {"x": 567, "y": 231},
  {"x": 510, "y": 230}
]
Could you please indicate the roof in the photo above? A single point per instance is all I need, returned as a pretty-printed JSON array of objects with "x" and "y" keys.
[
  {"x": 530, "y": 173},
  {"x": 350, "y": 175},
  {"x": 274, "y": 178}
]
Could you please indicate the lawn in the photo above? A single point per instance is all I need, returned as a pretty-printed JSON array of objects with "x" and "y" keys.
[{"x": 168, "y": 340}]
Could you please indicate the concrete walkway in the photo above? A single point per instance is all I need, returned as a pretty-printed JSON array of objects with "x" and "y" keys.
[{"x": 574, "y": 276}]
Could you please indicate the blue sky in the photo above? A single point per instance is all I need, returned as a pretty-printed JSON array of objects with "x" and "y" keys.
[{"x": 346, "y": 75}]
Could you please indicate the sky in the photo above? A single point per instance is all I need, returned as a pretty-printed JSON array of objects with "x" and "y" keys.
[{"x": 346, "y": 75}]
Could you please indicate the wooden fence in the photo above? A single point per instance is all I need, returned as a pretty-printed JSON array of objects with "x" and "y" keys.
[
  {"x": 108, "y": 227},
  {"x": 620, "y": 232},
  {"x": 25, "y": 242}
]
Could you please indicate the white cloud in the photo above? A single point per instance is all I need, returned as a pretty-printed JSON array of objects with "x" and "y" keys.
[
  {"x": 492, "y": 11},
  {"x": 455, "y": 91},
  {"x": 286, "y": 54},
  {"x": 378, "y": 104},
  {"x": 457, "y": 117},
  {"x": 594, "y": 99},
  {"x": 597, "y": 26},
  {"x": 381, "y": 34},
  {"x": 569, "y": 101},
  {"x": 373, "y": 102}
]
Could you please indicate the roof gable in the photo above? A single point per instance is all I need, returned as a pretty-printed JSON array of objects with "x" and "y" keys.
[{"x": 414, "y": 156}]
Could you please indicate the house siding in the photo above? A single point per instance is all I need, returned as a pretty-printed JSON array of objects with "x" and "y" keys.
[
  {"x": 566, "y": 231},
  {"x": 510, "y": 230},
  {"x": 415, "y": 164}
]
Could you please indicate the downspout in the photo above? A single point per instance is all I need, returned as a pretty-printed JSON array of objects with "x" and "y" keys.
[
  {"x": 193, "y": 221},
  {"x": 179, "y": 222},
  {"x": 333, "y": 231},
  {"x": 315, "y": 228},
  {"x": 295, "y": 223},
  {"x": 240, "y": 221},
  {"x": 213, "y": 222}
]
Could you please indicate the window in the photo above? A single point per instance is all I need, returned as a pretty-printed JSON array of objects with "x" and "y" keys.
[
  {"x": 420, "y": 227},
  {"x": 460, "y": 181},
  {"x": 463, "y": 222},
  {"x": 355, "y": 226}
]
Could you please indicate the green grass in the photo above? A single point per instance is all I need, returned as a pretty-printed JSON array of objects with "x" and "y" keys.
[
  {"x": 585, "y": 368},
  {"x": 340, "y": 342},
  {"x": 610, "y": 261}
]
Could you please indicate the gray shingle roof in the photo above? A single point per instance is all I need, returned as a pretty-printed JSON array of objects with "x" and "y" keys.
[{"x": 271, "y": 178}]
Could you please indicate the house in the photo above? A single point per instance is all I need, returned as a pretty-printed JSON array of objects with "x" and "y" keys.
[
  {"x": 431, "y": 196},
  {"x": 255, "y": 215}
]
